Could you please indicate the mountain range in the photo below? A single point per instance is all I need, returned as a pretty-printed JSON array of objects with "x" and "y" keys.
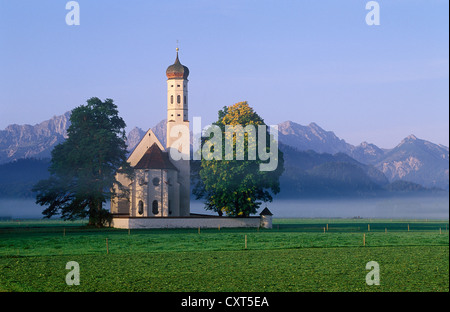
[
  {"x": 413, "y": 159},
  {"x": 26, "y": 141},
  {"x": 312, "y": 155}
]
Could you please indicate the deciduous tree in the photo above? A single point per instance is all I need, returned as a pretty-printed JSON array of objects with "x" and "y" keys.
[
  {"x": 83, "y": 168},
  {"x": 237, "y": 187}
]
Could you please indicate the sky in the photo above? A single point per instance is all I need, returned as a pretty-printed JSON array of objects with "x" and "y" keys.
[{"x": 299, "y": 60}]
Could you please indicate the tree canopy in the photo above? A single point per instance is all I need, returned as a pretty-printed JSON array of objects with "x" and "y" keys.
[
  {"x": 83, "y": 168},
  {"x": 231, "y": 186}
]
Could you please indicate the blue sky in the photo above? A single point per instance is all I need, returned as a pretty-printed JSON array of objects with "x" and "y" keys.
[{"x": 305, "y": 61}]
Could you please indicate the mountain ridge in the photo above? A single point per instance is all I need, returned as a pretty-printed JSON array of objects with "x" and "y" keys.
[
  {"x": 413, "y": 159},
  {"x": 25, "y": 141}
]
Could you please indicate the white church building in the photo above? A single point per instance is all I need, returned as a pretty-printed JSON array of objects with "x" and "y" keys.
[{"x": 159, "y": 194}]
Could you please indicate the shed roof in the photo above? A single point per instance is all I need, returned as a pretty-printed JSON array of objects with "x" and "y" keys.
[{"x": 266, "y": 212}]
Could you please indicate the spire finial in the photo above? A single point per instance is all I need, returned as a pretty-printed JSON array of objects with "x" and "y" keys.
[{"x": 177, "y": 47}]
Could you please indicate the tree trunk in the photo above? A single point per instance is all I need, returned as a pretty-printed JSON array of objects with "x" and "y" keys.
[
  {"x": 95, "y": 213},
  {"x": 99, "y": 216},
  {"x": 92, "y": 217}
]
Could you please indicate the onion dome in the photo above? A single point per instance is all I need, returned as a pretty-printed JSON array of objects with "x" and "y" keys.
[{"x": 177, "y": 70}]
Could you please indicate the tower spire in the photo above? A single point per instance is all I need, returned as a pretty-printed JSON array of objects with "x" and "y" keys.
[
  {"x": 177, "y": 70},
  {"x": 177, "y": 115}
]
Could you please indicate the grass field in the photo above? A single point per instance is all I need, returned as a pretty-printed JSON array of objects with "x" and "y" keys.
[{"x": 297, "y": 255}]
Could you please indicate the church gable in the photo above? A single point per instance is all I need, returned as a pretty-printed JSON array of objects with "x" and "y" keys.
[{"x": 146, "y": 142}]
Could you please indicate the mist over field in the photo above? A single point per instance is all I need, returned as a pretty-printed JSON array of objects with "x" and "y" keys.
[
  {"x": 419, "y": 207},
  {"x": 413, "y": 207}
]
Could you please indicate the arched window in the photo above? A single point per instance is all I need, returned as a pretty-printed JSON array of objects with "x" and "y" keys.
[
  {"x": 171, "y": 99},
  {"x": 155, "y": 208},
  {"x": 178, "y": 99},
  {"x": 141, "y": 207}
]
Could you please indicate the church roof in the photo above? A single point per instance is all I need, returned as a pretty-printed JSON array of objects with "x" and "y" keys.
[
  {"x": 154, "y": 158},
  {"x": 177, "y": 70},
  {"x": 266, "y": 212}
]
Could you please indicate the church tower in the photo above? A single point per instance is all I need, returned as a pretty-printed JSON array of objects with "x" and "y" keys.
[
  {"x": 177, "y": 92},
  {"x": 177, "y": 114}
]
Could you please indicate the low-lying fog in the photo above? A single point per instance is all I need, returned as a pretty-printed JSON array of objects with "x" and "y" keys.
[{"x": 413, "y": 207}]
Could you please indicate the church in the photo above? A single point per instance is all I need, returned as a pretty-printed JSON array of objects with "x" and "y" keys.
[
  {"x": 161, "y": 187},
  {"x": 159, "y": 194}
]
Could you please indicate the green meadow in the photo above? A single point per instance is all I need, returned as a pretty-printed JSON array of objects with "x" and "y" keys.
[{"x": 297, "y": 255}]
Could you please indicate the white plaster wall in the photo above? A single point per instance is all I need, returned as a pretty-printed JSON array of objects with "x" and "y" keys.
[
  {"x": 140, "y": 192},
  {"x": 266, "y": 222},
  {"x": 174, "y": 195},
  {"x": 184, "y": 172},
  {"x": 115, "y": 201},
  {"x": 176, "y": 108},
  {"x": 189, "y": 222},
  {"x": 120, "y": 223}
]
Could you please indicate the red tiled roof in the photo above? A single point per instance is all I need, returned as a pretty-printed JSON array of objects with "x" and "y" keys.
[{"x": 154, "y": 158}]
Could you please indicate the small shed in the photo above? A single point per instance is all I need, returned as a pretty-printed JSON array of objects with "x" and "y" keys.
[{"x": 266, "y": 218}]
